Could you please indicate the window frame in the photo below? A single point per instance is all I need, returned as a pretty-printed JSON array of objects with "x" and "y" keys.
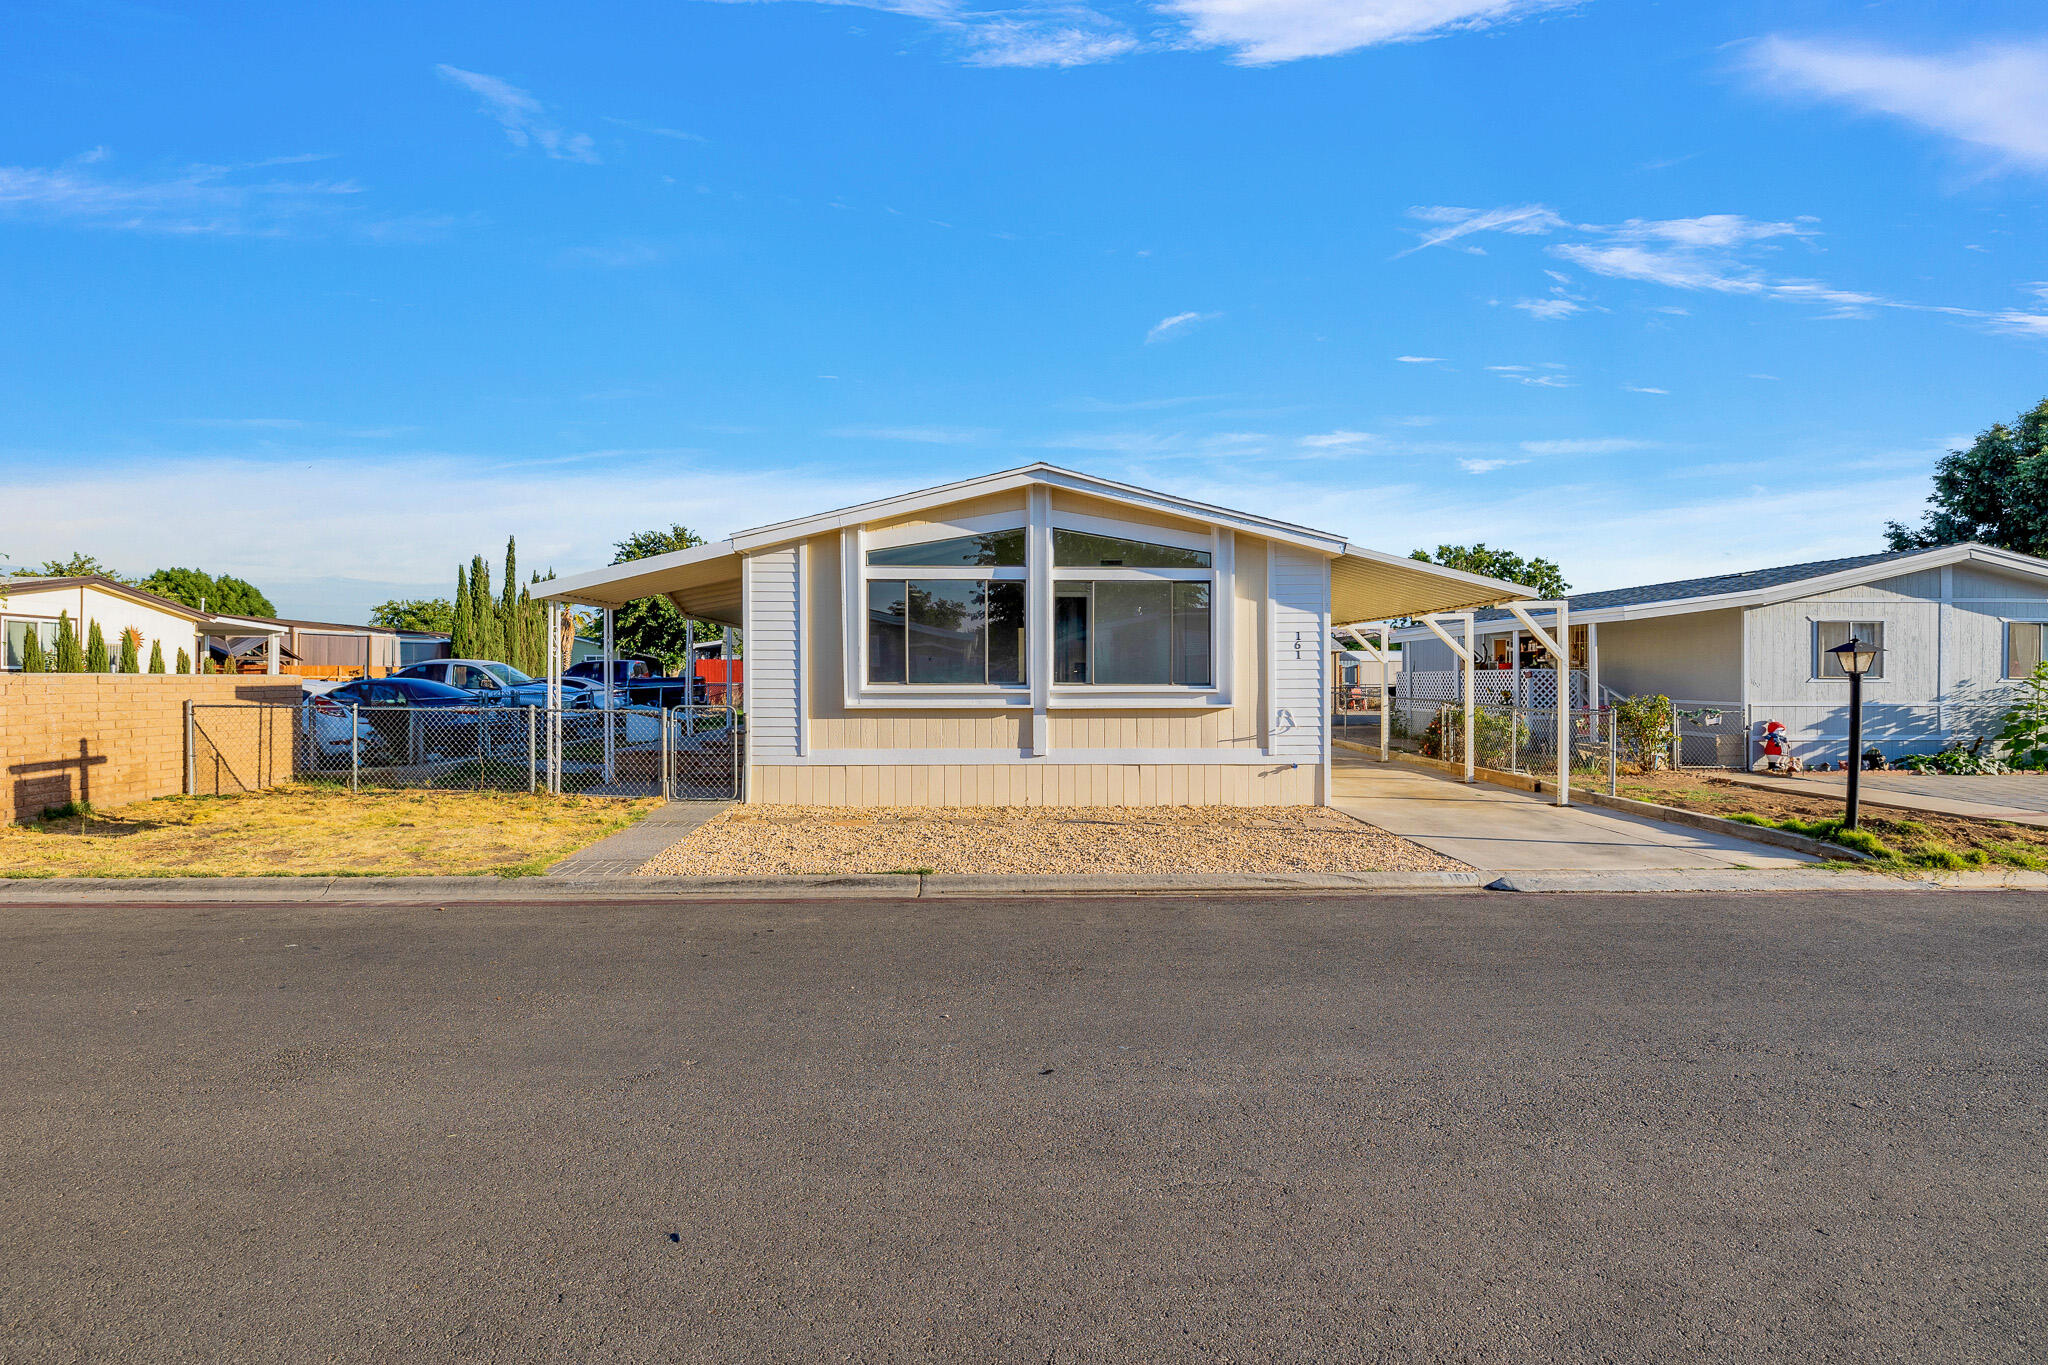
[
  {"x": 10, "y": 618},
  {"x": 1038, "y": 518},
  {"x": 2005, "y": 653},
  {"x": 1819, "y": 664}
]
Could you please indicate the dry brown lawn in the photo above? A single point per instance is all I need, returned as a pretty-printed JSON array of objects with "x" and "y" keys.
[
  {"x": 1031, "y": 840},
  {"x": 317, "y": 831},
  {"x": 1919, "y": 838}
]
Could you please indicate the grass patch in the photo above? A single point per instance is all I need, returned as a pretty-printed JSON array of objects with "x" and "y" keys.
[{"x": 317, "y": 831}]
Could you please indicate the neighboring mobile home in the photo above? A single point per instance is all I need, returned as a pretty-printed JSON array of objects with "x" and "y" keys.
[
  {"x": 1036, "y": 637},
  {"x": 36, "y": 605},
  {"x": 1960, "y": 626}
]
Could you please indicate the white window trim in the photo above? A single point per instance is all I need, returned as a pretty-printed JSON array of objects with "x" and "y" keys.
[
  {"x": 1813, "y": 625},
  {"x": 2005, "y": 646},
  {"x": 5, "y": 620},
  {"x": 1038, "y": 519}
]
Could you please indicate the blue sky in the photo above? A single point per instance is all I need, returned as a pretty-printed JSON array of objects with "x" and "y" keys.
[{"x": 335, "y": 299}]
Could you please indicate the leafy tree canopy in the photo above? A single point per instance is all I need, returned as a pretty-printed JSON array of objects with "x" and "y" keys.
[
  {"x": 1996, "y": 491},
  {"x": 1541, "y": 574},
  {"x": 652, "y": 625},
  {"x": 78, "y": 566},
  {"x": 200, "y": 590},
  {"x": 415, "y": 613}
]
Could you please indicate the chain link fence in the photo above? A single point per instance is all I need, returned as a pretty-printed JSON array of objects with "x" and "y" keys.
[
  {"x": 1516, "y": 739},
  {"x": 682, "y": 754}
]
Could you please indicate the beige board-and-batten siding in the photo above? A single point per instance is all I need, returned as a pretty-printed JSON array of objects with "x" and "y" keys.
[{"x": 808, "y": 747}]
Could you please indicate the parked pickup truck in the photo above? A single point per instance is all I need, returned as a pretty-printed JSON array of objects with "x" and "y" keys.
[{"x": 665, "y": 692}]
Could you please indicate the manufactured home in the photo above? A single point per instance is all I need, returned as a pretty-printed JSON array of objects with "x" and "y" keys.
[
  {"x": 1036, "y": 637},
  {"x": 34, "y": 606},
  {"x": 1959, "y": 626}
]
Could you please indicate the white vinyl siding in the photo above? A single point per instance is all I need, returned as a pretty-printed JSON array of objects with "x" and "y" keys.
[
  {"x": 774, "y": 653},
  {"x": 1300, "y": 601}
]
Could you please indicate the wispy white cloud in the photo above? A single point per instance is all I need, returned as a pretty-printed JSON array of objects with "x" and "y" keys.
[
  {"x": 933, "y": 436},
  {"x": 524, "y": 118},
  {"x": 1487, "y": 466},
  {"x": 1167, "y": 328},
  {"x": 1420, "y": 359},
  {"x": 655, "y": 130},
  {"x": 233, "y": 200},
  {"x": 1549, "y": 375},
  {"x": 1060, "y": 33},
  {"x": 1596, "y": 445},
  {"x": 1718, "y": 253},
  {"x": 1550, "y": 310},
  {"x": 1260, "y": 32},
  {"x": 1337, "y": 442},
  {"x": 1643, "y": 388},
  {"x": 1993, "y": 97}
]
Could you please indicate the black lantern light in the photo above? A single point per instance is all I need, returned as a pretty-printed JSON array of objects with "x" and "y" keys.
[{"x": 1855, "y": 658}]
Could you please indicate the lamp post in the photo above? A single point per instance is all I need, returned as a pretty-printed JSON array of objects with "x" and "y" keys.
[{"x": 1855, "y": 659}]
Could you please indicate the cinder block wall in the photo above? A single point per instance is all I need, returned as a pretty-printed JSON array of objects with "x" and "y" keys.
[{"x": 111, "y": 738}]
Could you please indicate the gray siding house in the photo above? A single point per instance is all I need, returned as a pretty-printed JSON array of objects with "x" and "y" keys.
[{"x": 1959, "y": 625}]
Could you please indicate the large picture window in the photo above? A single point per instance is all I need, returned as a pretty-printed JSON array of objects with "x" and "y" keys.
[
  {"x": 1828, "y": 634},
  {"x": 1132, "y": 632},
  {"x": 937, "y": 631}
]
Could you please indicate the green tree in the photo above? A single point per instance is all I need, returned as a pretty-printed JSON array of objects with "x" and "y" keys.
[
  {"x": 1995, "y": 491},
  {"x": 95, "y": 648},
  {"x": 184, "y": 662},
  {"x": 33, "y": 660},
  {"x": 652, "y": 625},
  {"x": 156, "y": 656},
  {"x": 77, "y": 566},
  {"x": 200, "y": 590},
  {"x": 462, "y": 624},
  {"x": 436, "y": 614},
  {"x": 70, "y": 658},
  {"x": 1541, "y": 574},
  {"x": 131, "y": 654}
]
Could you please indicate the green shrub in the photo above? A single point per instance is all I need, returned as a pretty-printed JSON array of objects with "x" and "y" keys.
[
  {"x": 1642, "y": 730},
  {"x": 95, "y": 649},
  {"x": 70, "y": 658},
  {"x": 156, "y": 656},
  {"x": 184, "y": 662},
  {"x": 2025, "y": 736},
  {"x": 33, "y": 660},
  {"x": 1953, "y": 761},
  {"x": 131, "y": 658}
]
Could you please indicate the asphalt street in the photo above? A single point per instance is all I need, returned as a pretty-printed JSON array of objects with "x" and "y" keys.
[{"x": 1473, "y": 1127}]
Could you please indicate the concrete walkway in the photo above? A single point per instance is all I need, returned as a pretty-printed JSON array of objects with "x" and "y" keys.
[
  {"x": 1509, "y": 831},
  {"x": 624, "y": 853}
]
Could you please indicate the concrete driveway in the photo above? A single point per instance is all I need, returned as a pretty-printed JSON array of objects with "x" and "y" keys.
[
  {"x": 1450, "y": 1127},
  {"x": 1496, "y": 829},
  {"x": 2021, "y": 798}
]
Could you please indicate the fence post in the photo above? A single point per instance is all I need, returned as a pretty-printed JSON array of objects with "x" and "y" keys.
[
  {"x": 1677, "y": 741},
  {"x": 1610, "y": 753},
  {"x": 665, "y": 787},
  {"x": 1514, "y": 738},
  {"x": 532, "y": 734},
  {"x": 355, "y": 748},
  {"x": 191, "y": 753},
  {"x": 732, "y": 731}
]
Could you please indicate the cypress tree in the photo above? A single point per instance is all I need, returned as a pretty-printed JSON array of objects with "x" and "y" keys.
[
  {"x": 184, "y": 662},
  {"x": 95, "y": 648},
  {"x": 70, "y": 658},
  {"x": 459, "y": 633},
  {"x": 131, "y": 657},
  {"x": 156, "y": 656},
  {"x": 32, "y": 657}
]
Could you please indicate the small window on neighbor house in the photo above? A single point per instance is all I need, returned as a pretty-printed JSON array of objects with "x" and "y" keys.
[
  {"x": 2022, "y": 648},
  {"x": 1828, "y": 634},
  {"x": 15, "y": 642}
]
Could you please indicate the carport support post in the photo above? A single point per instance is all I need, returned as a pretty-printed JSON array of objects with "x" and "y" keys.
[
  {"x": 1560, "y": 650},
  {"x": 554, "y": 698},
  {"x": 192, "y": 754},
  {"x": 1471, "y": 700},
  {"x": 611, "y": 774}
]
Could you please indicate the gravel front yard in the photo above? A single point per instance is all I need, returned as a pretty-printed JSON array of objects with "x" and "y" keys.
[{"x": 775, "y": 840}]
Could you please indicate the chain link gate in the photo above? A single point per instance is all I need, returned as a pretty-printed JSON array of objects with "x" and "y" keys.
[{"x": 689, "y": 754}]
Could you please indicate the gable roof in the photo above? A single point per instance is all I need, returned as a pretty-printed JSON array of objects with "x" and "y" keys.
[
  {"x": 1364, "y": 583},
  {"x": 1758, "y": 587},
  {"x": 105, "y": 584}
]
